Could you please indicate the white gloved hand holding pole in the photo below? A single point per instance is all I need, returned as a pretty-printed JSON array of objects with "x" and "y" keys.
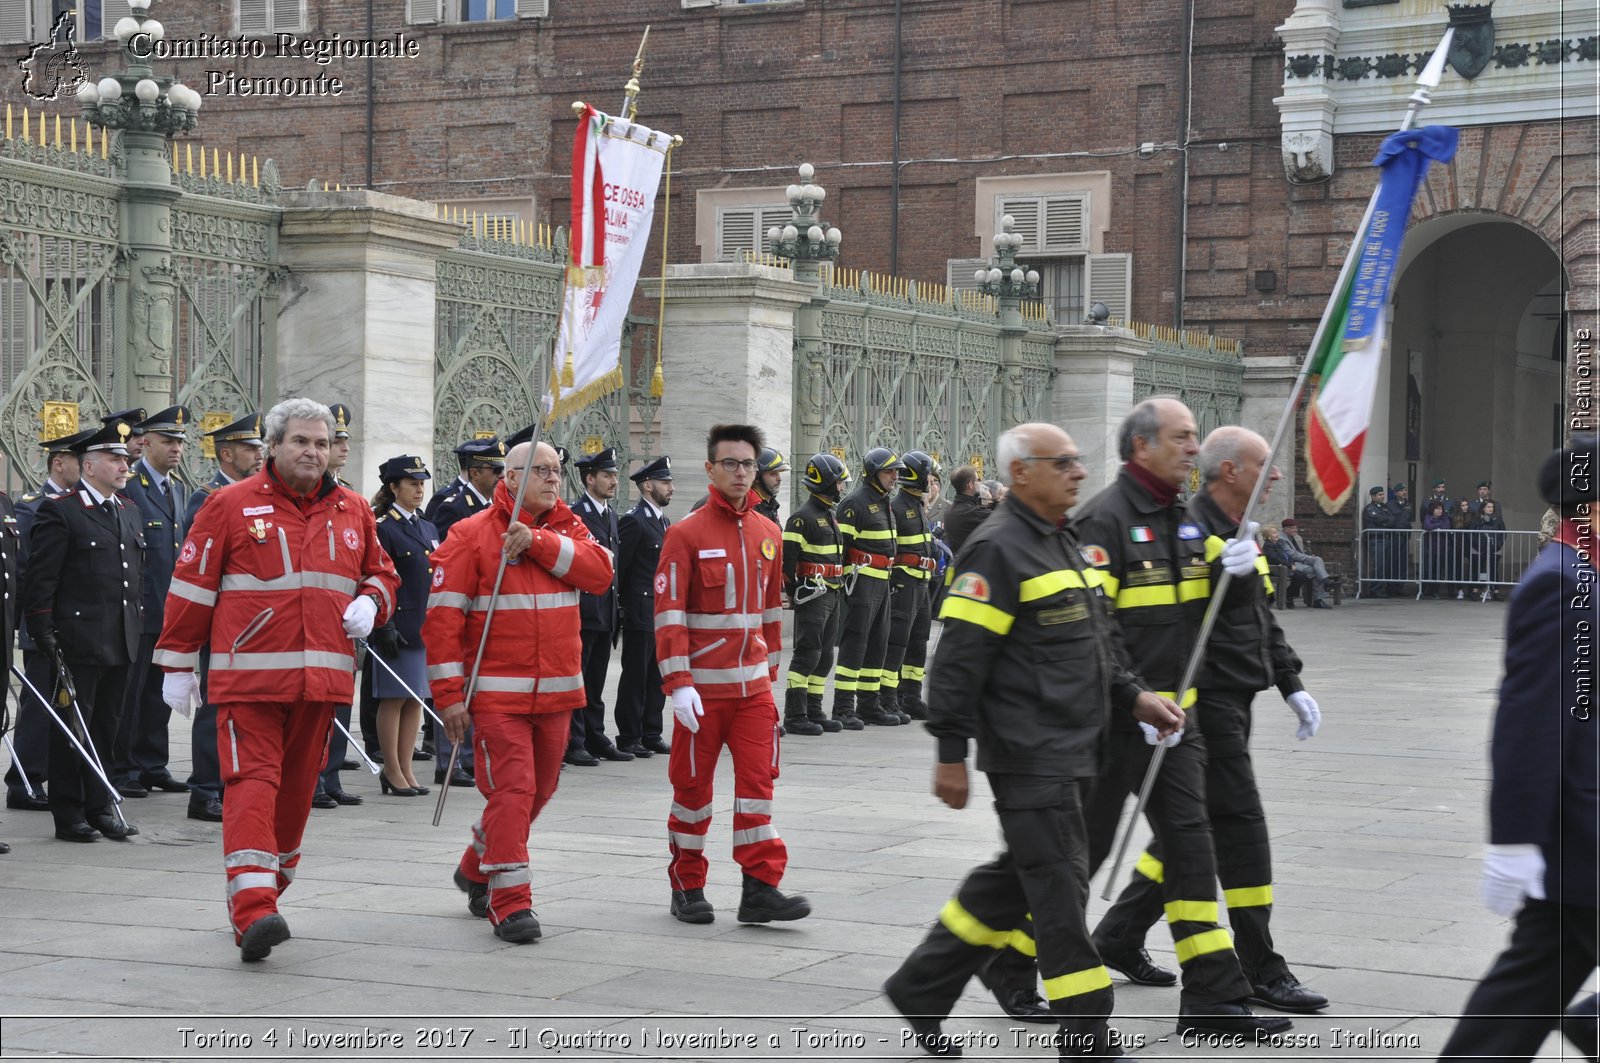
[
  {"x": 1305, "y": 707},
  {"x": 1152, "y": 737},
  {"x": 687, "y": 708},
  {"x": 1239, "y": 555},
  {"x": 359, "y": 616},
  {"x": 1512, "y": 874},
  {"x": 179, "y": 690}
]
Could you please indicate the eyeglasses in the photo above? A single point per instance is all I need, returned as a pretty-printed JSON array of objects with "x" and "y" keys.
[
  {"x": 1062, "y": 462},
  {"x": 733, "y": 465},
  {"x": 546, "y": 472}
]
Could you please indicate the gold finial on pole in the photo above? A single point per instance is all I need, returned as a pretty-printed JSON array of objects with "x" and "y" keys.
[{"x": 630, "y": 102}]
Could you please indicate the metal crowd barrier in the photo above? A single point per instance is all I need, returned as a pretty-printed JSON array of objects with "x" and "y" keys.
[{"x": 1448, "y": 563}]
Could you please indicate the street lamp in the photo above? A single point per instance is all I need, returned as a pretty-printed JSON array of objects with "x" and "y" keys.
[
  {"x": 136, "y": 99},
  {"x": 1007, "y": 279},
  {"x": 807, "y": 240}
]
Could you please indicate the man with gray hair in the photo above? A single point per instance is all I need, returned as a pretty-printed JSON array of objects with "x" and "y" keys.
[
  {"x": 278, "y": 573},
  {"x": 1245, "y": 653}
]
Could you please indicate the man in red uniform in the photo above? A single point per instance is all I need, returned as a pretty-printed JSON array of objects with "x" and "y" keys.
[
  {"x": 532, "y": 673},
  {"x": 719, "y": 626},
  {"x": 278, "y": 573}
]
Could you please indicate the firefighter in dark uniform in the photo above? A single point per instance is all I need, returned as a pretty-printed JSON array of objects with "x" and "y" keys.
[
  {"x": 866, "y": 533},
  {"x": 1377, "y": 517},
  {"x": 813, "y": 571},
  {"x": 31, "y": 734},
  {"x": 601, "y": 623},
  {"x": 483, "y": 463},
  {"x": 642, "y": 530},
  {"x": 1153, "y": 559},
  {"x": 1246, "y": 653},
  {"x": 770, "y": 467},
  {"x": 140, "y": 761},
  {"x": 239, "y": 452},
  {"x": 81, "y": 602},
  {"x": 910, "y": 584},
  {"x": 1028, "y": 665}
]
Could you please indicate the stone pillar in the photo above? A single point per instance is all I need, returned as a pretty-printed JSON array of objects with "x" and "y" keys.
[
  {"x": 728, "y": 357},
  {"x": 356, "y": 318},
  {"x": 147, "y": 198},
  {"x": 1093, "y": 392},
  {"x": 1267, "y": 382}
]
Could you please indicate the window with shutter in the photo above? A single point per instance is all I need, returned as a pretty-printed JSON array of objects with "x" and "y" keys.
[
  {"x": 1109, "y": 280},
  {"x": 1049, "y": 224},
  {"x": 533, "y": 8},
  {"x": 15, "y": 317},
  {"x": 958, "y": 272},
  {"x": 424, "y": 12},
  {"x": 16, "y": 21},
  {"x": 111, "y": 12},
  {"x": 1024, "y": 211},
  {"x": 253, "y": 18},
  {"x": 741, "y": 229},
  {"x": 287, "y": 16}
]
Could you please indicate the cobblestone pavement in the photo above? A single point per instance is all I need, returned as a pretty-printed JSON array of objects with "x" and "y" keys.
[{"x": 121, "y": 951}]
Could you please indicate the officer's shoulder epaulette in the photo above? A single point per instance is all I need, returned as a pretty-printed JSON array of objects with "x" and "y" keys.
[
  {"x": 383, "y": 518},
  {"x": 448, "y": 499},
  {"x": 31, "y": 496},
  {"x": 206, "y": 488},
  {"x": 341, "y": 481}
]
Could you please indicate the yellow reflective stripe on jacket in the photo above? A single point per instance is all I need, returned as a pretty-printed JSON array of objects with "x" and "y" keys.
[
  {"x": 979, "y": 613},
  {"x": 912, "y": 540},
  {"x": 1144, "y": 597},
  {"x": 1248, "y": 896},
  {"x": 1191, "y": 911},
  {"x": 1077, "y": 983},
  {"x": 1050, "y": 583},
  {"x": 1194, "y": 589},
  {"x": 874, "y": 533},
  {"x": 1203, "y": 943},
  {"x": 1216, "y": 544},
  {"x": 868, "y": 570},
  {"x": 1150, "y": 868},
  {"x": 1109, "y": 583}
]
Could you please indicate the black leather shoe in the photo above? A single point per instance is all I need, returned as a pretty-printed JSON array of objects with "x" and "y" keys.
[
  {"x": 131, "y": 788},
  {"x": 208, "y": 809},
  {"x": 1133, "y": 964},
  {"x": 828, "y": 726},
  {"x": 657, "y": 745},
  {"x": 477, "y": 894},
  {"x": 580, "y": 758},
  {"x": 77, "y": 832},
  {"x": 460, "y": 778},
  {"x": 348, "y": 765},
  {"x": 23, "y": 803},
  {"x": 1287, "y": 994},
  {"x": 614, "y": 754},
  {"x": 108, "y": 826},
  {"x": 1232, "y": 1018},
  {"x": 258, "y": 938},
  {"x": 345, "y": 797},
  {"x": 851, "y": 722},
  {"x": 422, "y": 754},
  {"x": 1024, "y": 1005},
  {"x": 324, "y": 800},
  {"x": 878, "y": 718},
  {"x": 637, "y": 751},
  {"x": 1321, "y": 605},
  {"x": 376, "y": 755},
  {"x": 164, "y": 783},
  {"x": 924, "y": 1028},
  {"x": 803, "y": 726},
  {"x": 691, "y": 906},
  {"x": 519, "y": 928},
  {"x": 762, "y": 903},
  {"x": 4, "y": 848}
]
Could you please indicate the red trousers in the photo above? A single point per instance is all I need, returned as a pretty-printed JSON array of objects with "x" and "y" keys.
[
  {"x": 270, "y": 756},
  {"x": 517, "y": 767},
  {"x": 749, "y": 728}
]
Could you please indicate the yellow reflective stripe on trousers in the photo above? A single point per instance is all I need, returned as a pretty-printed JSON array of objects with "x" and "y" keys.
[
  {"x": 1248, "y": 896},
  {"x": 1191, "y": 911},
  {"x": 1145, "y": 597},
  {"x": 1049, "y": 583},
  {"x": 966, "y": 926},
  {"x": 1077, "y": 983},
  {"x": 846, "y": 678},
  {"x": 979, "y": 613},
  {"x": 1150, "y": 868},
  {"x": 1019, "y": 940},
  {"x": 1200, "y": 944}
]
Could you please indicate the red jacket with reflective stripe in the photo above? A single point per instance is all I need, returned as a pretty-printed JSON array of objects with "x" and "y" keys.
[
  {"x": 263, "y": 579},
  {"x": 533, "y": 662},
  {"x": 719, "y": 601}
]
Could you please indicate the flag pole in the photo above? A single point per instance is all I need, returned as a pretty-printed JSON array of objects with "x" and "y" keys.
[{"x": 1427, "y": 81}]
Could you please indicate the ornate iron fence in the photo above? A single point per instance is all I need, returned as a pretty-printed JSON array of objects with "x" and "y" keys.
[{"x": 1206, "y": 372}]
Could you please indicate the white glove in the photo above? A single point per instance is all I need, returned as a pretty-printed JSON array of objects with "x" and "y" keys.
[
  {"x": 1305, "y": 707},
  {"x": 1152, "y": 736},
  {"x": 687, "y": 708},
  {"x": 179, "y": 690},
  {"x": 359, "y": 615},
  {"x": 1512, "y": 873},
  {"x": 1239, "y": 555}
]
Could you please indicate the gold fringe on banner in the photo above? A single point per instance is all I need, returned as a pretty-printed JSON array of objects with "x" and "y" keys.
[
  {"x": 658, "y": 379},
  {"x": 593, "y": 391},
  {"x": 568, "y": 375}
]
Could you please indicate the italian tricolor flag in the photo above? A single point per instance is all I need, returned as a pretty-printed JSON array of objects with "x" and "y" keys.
[{"x": 1345, "y": 363}]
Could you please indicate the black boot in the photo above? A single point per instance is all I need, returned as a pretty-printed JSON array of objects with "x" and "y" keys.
[
  {"x": 844, "y": 711},
  {"x": 815, "y": 714},
  {"x": 868, "y": 708},
  {"x": 762, "y": 903},
  {"x": 794, "y": 713},
  {"x": 691, "y": 906},
  {"x": 889, "y": 703},
  {"x": 911, "y": 702}
]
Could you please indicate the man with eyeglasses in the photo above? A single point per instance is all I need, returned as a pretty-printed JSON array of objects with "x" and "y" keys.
[
  {"x": 1028, "y": 667},
  {"x": 719, "y": 629},
  {"x": 1152, "y": 560}
]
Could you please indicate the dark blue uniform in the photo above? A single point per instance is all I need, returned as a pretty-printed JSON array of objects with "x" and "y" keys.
[
  {"x": 600, "y": 619},
  {"x": 205, "y": 778},
  {"x": 31, "y": 734},
  {"x": 639, "y": 699},
  {"x": 141, "y": 749},
  {"x": 456, "y": 502}
]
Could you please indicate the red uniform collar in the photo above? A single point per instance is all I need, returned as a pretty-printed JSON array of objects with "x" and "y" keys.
[
  {"x": 723, "y": 502},
  {"x": 1164, "y": 494},
  {"x": 502, "y": 504}
]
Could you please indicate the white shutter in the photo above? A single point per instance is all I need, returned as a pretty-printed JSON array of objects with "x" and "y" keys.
[
  {"x": 112, "y": 12},
  {"x": 424, "y": 12},
  {"x": 16, "y": 22},
  {"x": 1109, "y": 279},
  {"x": 286, "y": 15},
  {"x": 736, "y": 231},
  {"x": 1063, "y": 225},
  {"x": 15, "y": 313},
  {"x": 958, "y": 272},
  {"x": 253, "y": 19},
  {"x": 1024, "y": 211},
  {"x": 533, "y": 8}
]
